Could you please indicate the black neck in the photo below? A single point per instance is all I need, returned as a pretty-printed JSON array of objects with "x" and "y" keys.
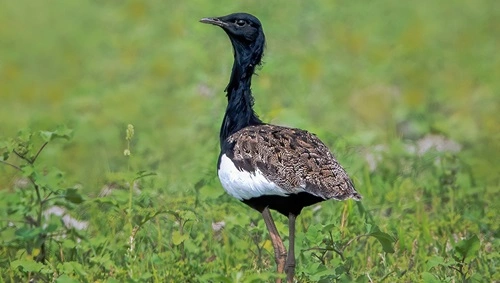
[{"x": 239, "y": 111}]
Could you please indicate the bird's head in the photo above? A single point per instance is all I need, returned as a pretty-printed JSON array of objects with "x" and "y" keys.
[{"x": 246, "y": 35}]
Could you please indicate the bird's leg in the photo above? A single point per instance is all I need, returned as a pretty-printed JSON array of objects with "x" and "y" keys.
[
  {"x": 279, "y": 247},
  {"x": 290, "y": 259}
]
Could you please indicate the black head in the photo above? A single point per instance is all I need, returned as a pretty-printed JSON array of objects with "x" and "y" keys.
[
  {"x": 245, "y": 32},
  {"x": 241, "y": 26}
]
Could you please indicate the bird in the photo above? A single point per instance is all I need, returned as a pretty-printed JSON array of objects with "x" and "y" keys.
[{"x": 265, "y": 166}]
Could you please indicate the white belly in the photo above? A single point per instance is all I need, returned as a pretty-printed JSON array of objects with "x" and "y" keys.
[{"x": 245, "y": 185}]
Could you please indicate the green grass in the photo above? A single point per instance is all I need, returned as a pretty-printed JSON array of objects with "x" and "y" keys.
[{"x": 361, "y": 75}]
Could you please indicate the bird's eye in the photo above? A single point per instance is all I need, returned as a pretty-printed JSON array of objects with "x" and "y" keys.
[{"x": 240, "y": 22}]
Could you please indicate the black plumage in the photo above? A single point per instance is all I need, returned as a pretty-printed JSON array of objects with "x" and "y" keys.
[{"x": 268, "y": 166}]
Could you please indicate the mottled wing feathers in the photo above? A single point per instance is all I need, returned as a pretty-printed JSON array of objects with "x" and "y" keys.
[{"x": 295, "y": 160}]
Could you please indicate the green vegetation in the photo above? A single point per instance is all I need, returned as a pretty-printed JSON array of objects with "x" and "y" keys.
[{"x": 86, "y": 198}]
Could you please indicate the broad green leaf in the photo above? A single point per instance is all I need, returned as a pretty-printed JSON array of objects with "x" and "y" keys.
[
  {"x": 74, "y": 267},
  {"x": 433, "y": 262},
  {"x": 145, "y": 276},
  {"x": 368, "y": 227},
  {"x": 468, "y": 248},
  {"x": 64, "y": 132},
  {"x": 46, "y": 135},
  {"x": 60, "y": 133},
  {"x": 26, "y": 233},
  {"x": 385, "y": 239},
  {"x": 178, "y": 238},
  {"x": 263, "y": 277},
  {"x": 51, "y": 228},
  {"x": 66, "y": 279},
  {"x": 72, "y": 195},
  {"x": 68, "y": 244},
  {"x": 321, "y": 272},
  {"x": 429, "y": 278},
  {"x": 28, "y": 170},
  {"x": 187, "y": 214},
  {"x": 314, "y": 233},
  {"x": 29, "y": 266},
  {"x": 214, "y": 277},
  {"x": 51, "y": 178},
  {"x": 329, "y": 227}
]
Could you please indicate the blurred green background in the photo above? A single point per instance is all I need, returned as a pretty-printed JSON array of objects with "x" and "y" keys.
[
  {"x": 348, "y": 69},
  {"x": 360, "y": 74}
]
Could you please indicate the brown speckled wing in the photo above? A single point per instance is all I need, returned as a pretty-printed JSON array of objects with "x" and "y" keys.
[{"x": 294, "y": 159}]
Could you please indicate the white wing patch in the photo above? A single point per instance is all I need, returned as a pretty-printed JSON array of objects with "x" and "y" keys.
[{"x": 245, "y": 185}]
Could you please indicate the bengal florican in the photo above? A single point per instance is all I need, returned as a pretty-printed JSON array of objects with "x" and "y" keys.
[{"x": 268, "y": 166}]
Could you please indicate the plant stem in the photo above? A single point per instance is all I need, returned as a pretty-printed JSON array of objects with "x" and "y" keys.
[
  {"x": 38, "y": 153},
  {"x": 11, "y": 165}
]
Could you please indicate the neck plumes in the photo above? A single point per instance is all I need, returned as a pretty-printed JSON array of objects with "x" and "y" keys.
[{"x": 239, "y": 111}]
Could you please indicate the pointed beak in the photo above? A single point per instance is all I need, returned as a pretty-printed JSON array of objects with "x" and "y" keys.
[{"x": 213, "y": 21}]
